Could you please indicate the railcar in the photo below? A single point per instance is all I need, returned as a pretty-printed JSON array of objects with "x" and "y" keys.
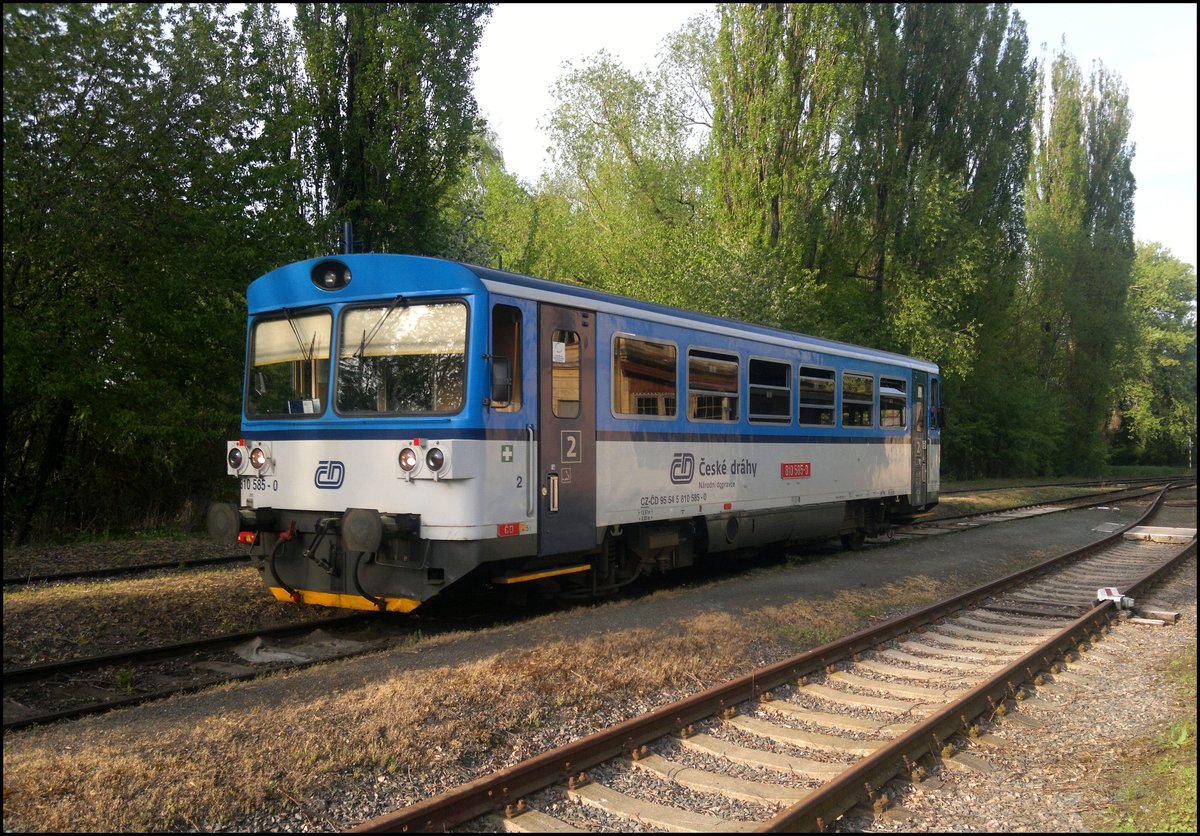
[{"x": 410, "y": 421}]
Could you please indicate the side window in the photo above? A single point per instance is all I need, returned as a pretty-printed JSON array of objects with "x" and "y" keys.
[
  {"x": 858, "y": 400},
  {"x": 935, "y": 401},
  {"x": 816, "y": 396},
  {"x": 770, "y": 392},
  {"x": 564, "y": 374},
  {"x": 506, "y": 346},
  {"x": 893, "y": 403},
  {"x": 712, "y": 386},
  {"x": 644, "y": 377}
]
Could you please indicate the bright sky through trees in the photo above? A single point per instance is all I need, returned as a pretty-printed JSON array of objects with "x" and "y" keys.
[{"x": 1151, "y": 46}]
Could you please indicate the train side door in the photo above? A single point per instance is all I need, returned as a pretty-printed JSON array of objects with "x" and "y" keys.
[
  {"x": 920, "y": 440},
  {"x": 567, "y": 429}
]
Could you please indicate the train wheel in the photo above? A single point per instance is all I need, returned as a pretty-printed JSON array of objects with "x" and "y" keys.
[{"x": 853, "y": 540}]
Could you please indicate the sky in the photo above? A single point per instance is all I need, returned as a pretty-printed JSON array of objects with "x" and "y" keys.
[{"x": 1152, "y": 47}]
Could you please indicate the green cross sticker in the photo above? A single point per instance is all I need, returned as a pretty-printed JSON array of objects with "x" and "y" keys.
[{"x": 506, "y": 453}]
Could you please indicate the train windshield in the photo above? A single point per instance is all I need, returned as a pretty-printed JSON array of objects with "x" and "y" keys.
[
  {"x": 402, "y": 359},
  {"x": 289, "y": 365}
]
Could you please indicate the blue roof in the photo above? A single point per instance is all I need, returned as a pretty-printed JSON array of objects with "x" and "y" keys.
[{"x": 382, "y": 276}]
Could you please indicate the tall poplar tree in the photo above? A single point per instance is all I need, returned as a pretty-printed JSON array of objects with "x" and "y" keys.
[
  {"x": 1080, "y": 217},
  {"x": 874, "y": 156},
  {"x": 393, "y": 113}
]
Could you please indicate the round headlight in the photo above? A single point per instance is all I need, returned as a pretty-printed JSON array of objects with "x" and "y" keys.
[
  {"x": 408, "y": 459},
  {"x": 331, "y": 275},
  {"x": 258, "y": 458},
  {"x": 436, "y": 459},
  {"x": 236, "y": 458}
]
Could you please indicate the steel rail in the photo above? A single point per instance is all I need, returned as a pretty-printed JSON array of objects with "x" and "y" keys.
[
  {"x": 1087, "y": 500},
  {"x": 115, "y": 571},
  {"x": 165, "y": 651},
  {"x": 494, "y": 791},
  {"x": 830, "y": 800},
  {"x": 34, "y": 672}
]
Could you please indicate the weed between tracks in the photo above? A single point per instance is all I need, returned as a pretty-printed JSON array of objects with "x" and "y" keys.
[
  {"x": 1157, "y": 787},
  {"x": 348, "y": 729}
]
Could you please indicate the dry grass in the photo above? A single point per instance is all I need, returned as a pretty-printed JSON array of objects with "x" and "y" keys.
[
  {"x": 421, "y": 731},
  {"x": 66, "y": 620},
  {"x": 996, "y": 500}
]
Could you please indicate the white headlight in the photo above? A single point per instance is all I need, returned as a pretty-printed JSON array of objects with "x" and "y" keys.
[
  {"x": 408, "y": 459},
  {"x": 258, "y": 458}
]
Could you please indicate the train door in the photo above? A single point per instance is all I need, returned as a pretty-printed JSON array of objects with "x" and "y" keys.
[
  {"x": 567, "y": 435},
  {"x": 920, "y": 440}
]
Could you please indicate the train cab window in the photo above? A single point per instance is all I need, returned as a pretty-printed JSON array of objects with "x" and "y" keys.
[
  {"x": 564, "y": 374},
  {"x": 893, "y": 403},
  {"x": 289, "y": 366},
  {"x": 644, "y": 377},
  {"x": 935, "y": 401},
  {"x": 858, "y": 400},
  {"x": 770, "y": 392},
  {"x": 817, "y": 396},
  {"x": 712, "y": 386},
  {"x": 402, "y": 359},
  {"x": 506, "y": 349}
]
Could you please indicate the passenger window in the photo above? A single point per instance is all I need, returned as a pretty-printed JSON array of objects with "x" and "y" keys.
[
  {"x": 564, "y": 374},
  {"x": 816, "y": 397},
  {"x": 770, "y": 392},
  {"x": 858, "y": 400},
  {"x": 712, "y": 386},
  {"x": 644, "y": 377},
  {"x": 893, "y": 403},
  {"x": 506, "y": 345}
]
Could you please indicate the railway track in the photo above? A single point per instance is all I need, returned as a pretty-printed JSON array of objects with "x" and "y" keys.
[
  {"x": 74, "y": 688},
  {"x": 945, "y": 523},
  {"x": 1142, "y": 481},
  {"x": 798, "y": 743},
  {"x": 104, "y": 572},
  {"x": 90, "y": 685},
  {"x": 133, "y": 569}
]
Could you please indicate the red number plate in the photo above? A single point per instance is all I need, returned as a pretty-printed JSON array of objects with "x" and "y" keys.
[{"x": 795, "y": 470}]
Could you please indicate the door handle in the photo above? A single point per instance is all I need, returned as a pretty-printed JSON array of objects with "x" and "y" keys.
[{"x": 552, "y": 486}]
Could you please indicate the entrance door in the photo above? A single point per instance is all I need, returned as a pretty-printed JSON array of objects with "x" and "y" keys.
[
  {"x": 567, "y": 421},
  {"x": 920, "y": 440}
]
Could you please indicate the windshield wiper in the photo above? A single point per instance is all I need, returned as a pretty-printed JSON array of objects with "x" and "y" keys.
[
  {"x": 305, "y": 353},
  {"x": 362, "y": 346}
]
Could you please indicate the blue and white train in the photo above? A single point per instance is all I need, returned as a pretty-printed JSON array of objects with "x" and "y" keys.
[{"x": 409, "y": 421}]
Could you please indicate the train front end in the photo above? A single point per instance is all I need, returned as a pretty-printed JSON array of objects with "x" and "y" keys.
[{"x": 361, "y": 459}]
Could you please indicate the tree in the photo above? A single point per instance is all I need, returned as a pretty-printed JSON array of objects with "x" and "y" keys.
[
  {"x": 388, "y": 88},
  {"x": 141, "y": 193},
  {"x": 1080, "y": 218},
  {"x": 1156, "y": 410}
]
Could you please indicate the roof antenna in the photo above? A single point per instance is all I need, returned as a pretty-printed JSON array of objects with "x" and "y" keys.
[
  {"x": 501, "y": 267},
  {"x": 348, "y": 237}
]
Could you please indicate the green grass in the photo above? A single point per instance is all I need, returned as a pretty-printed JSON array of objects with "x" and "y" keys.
[{"x": 1158, "y": 786}]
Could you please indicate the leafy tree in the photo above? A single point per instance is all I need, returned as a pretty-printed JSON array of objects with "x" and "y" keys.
[
  {"x": 388, "y": 89},
  {"x": 1156, "y": 411},
  {"x": 141, "y": 193},
  {"x": 1080, "y": 218},
  {"x": 875, "y": 155}
]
